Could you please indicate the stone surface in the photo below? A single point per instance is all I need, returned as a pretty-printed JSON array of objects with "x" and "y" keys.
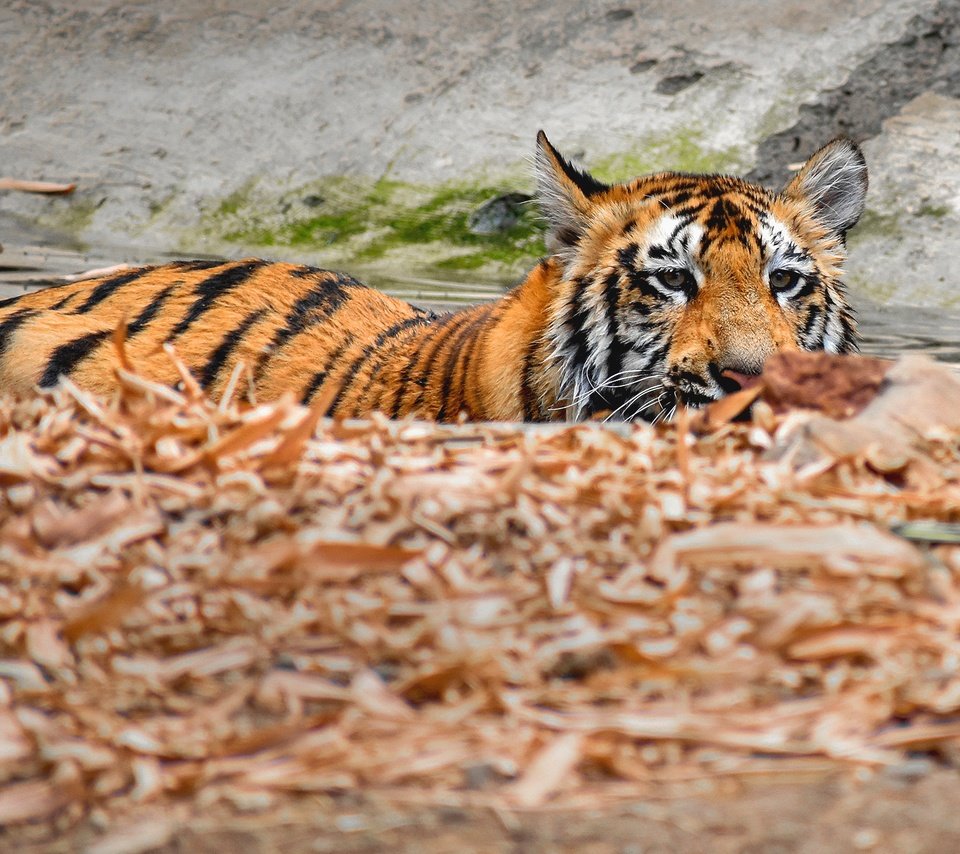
[
  {"x": 498, "y": 214},
  {"x": 907, "y": 247},
  {"x": 171, "y": 115}
]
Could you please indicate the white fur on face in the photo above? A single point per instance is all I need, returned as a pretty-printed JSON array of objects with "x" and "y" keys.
[
  {"x": 673, "y": 244},
  {"x": 783, "y": 252}
]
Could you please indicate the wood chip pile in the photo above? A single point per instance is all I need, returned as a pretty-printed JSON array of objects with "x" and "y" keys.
[{"x": 220, "y": 606}]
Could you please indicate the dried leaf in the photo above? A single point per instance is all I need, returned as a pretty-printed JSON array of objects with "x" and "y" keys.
[
  {"x": 31, "y": 800},
  {"x": 841, "y": 549},
  {"x": 715, "y": 415}
]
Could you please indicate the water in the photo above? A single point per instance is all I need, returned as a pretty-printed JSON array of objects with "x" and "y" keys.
[{"x": 887, "y": 331}]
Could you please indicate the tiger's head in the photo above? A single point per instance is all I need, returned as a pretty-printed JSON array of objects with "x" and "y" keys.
[{"x": 673, "y": 285}]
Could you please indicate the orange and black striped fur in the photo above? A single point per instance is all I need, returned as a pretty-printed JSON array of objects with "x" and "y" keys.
[{"x": 657, "y": 291}]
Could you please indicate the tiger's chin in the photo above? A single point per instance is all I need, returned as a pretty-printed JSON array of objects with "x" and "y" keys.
[
  {"x": 652, "y": 402},
  {"x": 727, "y": 382},
  {"x": 658, "y": 399}
]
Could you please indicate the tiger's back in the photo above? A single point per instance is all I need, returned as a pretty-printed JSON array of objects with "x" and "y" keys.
[
  {"x": 293, "y": 328},
  {"x": 214, "y": 314},
  {"x": 657, "y": 291}
]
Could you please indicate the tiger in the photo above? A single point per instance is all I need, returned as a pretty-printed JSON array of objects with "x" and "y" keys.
[{"x": 661, "y": 292}]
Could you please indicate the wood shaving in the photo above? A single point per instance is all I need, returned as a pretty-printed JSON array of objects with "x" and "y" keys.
[{"x": 231, "y": 605}]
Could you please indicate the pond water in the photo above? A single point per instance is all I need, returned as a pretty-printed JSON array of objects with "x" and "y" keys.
[{"x": 887, "y": 330}]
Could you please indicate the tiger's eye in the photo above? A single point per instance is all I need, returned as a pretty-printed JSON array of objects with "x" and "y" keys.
[
  {"x": 677, "y": 279},
  {"x": 783, "y": 280}
]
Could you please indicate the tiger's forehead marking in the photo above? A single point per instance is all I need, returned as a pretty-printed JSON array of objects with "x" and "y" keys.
[
  {"x": 780, "y": 247},
  {"x": 693, "y": 233},
  {"x": 673, "y": 240}
]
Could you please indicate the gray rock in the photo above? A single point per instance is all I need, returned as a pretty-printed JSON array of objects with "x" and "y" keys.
[
  {"x": 674, "y": 83},
  {"x": 906, "y": 247},
  {"x": 499, "y": 214}
]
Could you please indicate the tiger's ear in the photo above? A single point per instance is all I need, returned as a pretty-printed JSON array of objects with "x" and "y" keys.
[
  {"x": 834, "y": 182},
  {"x": 563, "y": 192}
]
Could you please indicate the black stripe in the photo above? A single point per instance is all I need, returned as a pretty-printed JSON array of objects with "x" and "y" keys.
[
  {"x": 810, "y": 284},
  {"x": 11, "y": 324},
  {"x": 576, "y": 323},
  {"x": 369, "y": 351},
  {"x": 611, "y": 295},
  {"x": 53, "y": 287},
  {"x": 313, "y": 307},
  {"x": 227, "y": 345},
  {"x": 641, "y": 281},
  {"x": 405, "y": 377},
  {"x": 531, "y": 410},
  {"x": 469, "y": 349},
  {"x": 315, "y": 382},
  {"x": 210, "y": 290},
  {"x": 150, "y": 311},
  {"x": 849, "y": 343},
  {"x": 721, "y": 215},
  {"x": 453, "y": 325},
  {"x": 813, "y": 315},
  {"x": 469, "y": 352},
  {"x": 318, "y": 378},
  {"x": 684, "y": 220},
  {"x": 628, "y": 255},
  {"x": 109, "y": 286},
  {"x": 455, "y": 352},
  {"x": 487, "y": 320},
  {"x": 200, "y": 264},
  {"x": 65, "y": 301},
  {"x": 422, "y": 319},
  {"x": 657, "y": 354},
  {"x": 425, "y": 313},
  {"x": 67, "y": 356},
  {"x": 341, "y": 280},
  {"x": 587, "y": 184}
]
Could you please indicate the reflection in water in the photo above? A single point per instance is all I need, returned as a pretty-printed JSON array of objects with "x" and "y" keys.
[{"x": 890, "y": 331}]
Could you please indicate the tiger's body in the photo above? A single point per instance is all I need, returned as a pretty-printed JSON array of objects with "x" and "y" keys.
[
  {"x": 658, "y": 291},
  {"x": 295, "y": 328}
]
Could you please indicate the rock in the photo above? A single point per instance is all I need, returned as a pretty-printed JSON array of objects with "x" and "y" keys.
[
  {"x": 499, "y": 214},
  {"x": 909, "y": 240},
  {"x": 642, "y": 65},
  {"x": 678, "y": 82},
  {"x": 276, "y": 99}
]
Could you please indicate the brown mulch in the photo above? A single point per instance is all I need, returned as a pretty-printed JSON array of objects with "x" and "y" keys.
[{"x": 211, "y": 606}]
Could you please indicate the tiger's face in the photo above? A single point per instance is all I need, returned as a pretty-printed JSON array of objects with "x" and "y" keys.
[{"x": 674, "y": 286}]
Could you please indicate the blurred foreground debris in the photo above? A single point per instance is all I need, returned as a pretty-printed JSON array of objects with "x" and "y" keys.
[{"x": 206, "y": 605}]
